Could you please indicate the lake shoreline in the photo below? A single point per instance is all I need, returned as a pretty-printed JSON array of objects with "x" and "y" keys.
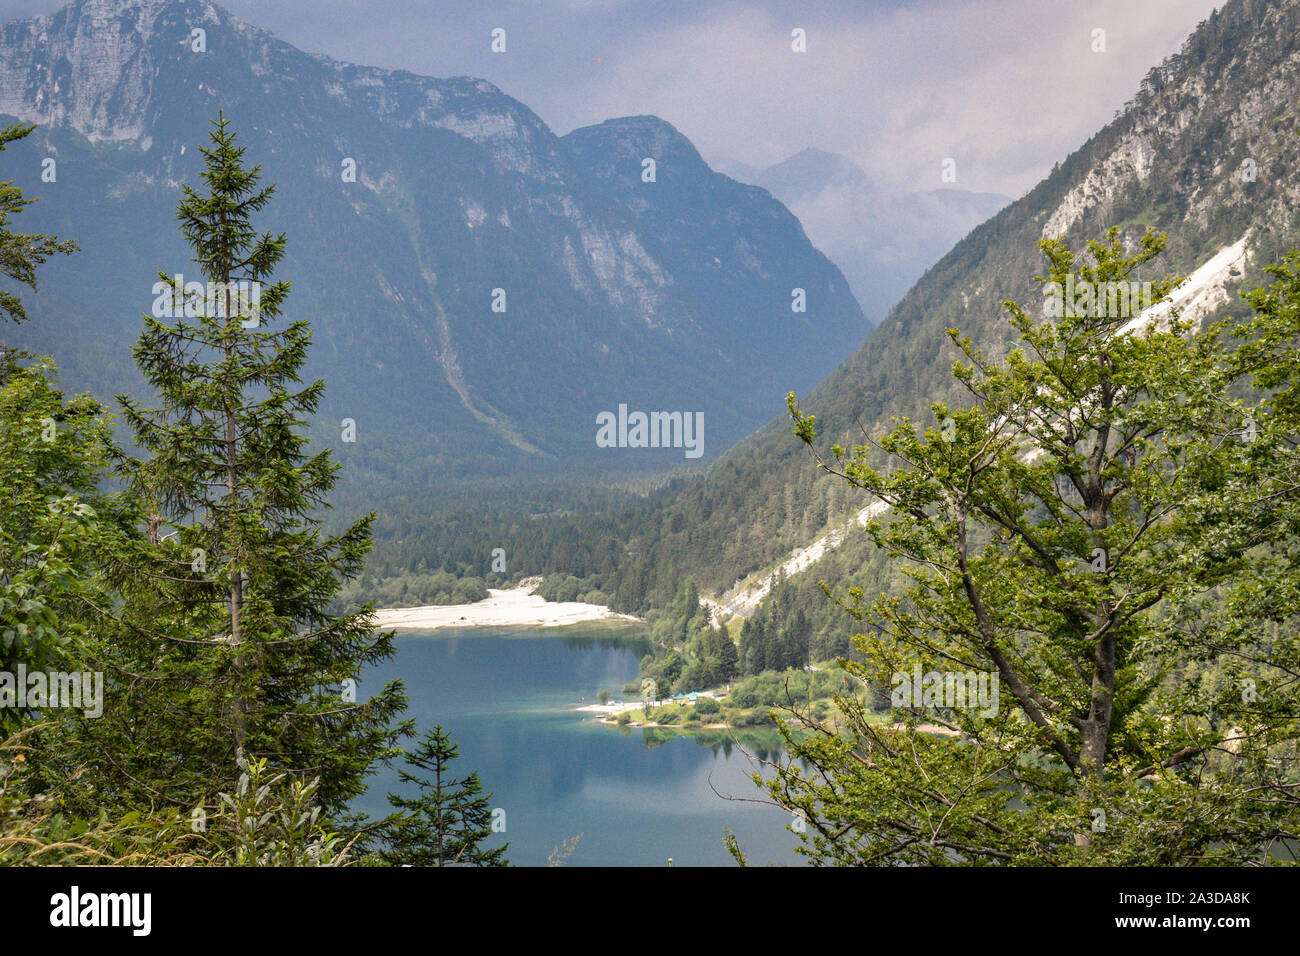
[
  {"x": 519, "y": 606},
  {"x": 608, "y": 714}
]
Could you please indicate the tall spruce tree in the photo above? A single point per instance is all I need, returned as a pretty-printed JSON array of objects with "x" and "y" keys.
[
  {"x": 446, "y": 824},
  {"x": 225, "y": 646}
]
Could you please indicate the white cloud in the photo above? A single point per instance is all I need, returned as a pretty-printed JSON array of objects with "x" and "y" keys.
[{"x": 1005, "y": 87}]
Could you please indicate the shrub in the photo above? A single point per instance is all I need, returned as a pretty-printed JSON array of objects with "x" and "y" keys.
[
  {"x": 750, "y": 718},
  {"x": 744, "y": 698}
]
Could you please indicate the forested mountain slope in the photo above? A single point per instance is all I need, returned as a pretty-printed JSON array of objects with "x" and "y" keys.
[{"x": 1206, "y": 151}]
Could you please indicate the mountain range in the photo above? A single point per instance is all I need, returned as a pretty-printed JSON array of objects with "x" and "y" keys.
[
  {"x": 480, "y": 288},
  {"x": 663, "y": 292}
]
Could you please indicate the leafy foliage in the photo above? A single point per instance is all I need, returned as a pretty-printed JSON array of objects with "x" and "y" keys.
[{"x": 1057, "y": 531}]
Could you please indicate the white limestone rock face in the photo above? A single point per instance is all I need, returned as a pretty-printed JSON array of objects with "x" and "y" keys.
[{"x": 96, "y": 79}]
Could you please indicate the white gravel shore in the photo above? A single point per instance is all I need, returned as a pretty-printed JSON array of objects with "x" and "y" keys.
[{"x": 517, "y": 607}]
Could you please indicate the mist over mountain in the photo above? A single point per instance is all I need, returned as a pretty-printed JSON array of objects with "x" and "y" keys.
[
  {"x": 882, "y": 239},
  {"x": 480, "y": 289},
  {"x": 1205, "y": 151}
]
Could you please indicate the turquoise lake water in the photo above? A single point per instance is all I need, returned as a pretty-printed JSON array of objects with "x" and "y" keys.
[{"x": 508, "y": 696}]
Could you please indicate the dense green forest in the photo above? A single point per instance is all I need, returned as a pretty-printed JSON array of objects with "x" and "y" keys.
[
  {"x": 177, "y": 679},
  {"x": 616, "y": 540}
]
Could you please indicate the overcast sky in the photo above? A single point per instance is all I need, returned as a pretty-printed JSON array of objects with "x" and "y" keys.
[{"x": 1004, "y": 87}]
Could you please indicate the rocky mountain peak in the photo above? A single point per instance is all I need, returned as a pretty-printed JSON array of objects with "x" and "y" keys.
[{"x": 447, "y": 245}]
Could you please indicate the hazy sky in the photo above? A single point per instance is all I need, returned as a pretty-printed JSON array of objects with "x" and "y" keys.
[{"x": 1004, "y": 87}]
